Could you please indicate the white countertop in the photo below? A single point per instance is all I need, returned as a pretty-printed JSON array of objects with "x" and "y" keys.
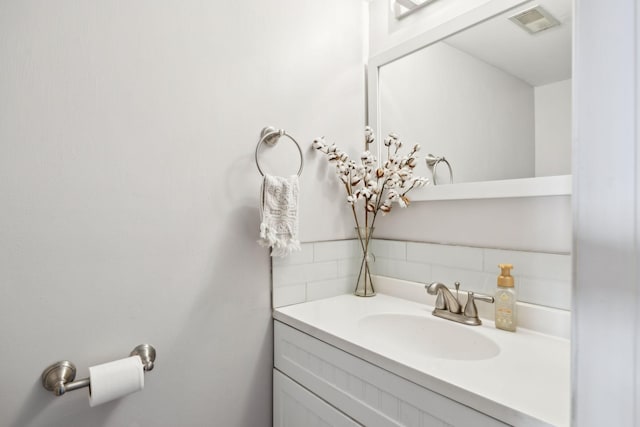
[{"x": 526, "y": 384}]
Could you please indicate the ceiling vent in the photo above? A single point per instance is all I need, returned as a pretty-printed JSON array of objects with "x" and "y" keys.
[{"x": 534, "y": 20}]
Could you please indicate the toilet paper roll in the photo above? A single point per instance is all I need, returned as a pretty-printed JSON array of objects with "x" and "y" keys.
[{"x": 115, "y": 379}]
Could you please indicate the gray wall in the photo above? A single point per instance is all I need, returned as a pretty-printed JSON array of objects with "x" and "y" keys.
[
  {"x": 439, "y": 97},
  {"x": 129, "y": 193},
  {"x": 553, "y": 128}
]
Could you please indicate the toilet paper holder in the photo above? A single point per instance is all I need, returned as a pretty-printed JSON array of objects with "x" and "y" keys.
[{"x": 59, "y": 377}]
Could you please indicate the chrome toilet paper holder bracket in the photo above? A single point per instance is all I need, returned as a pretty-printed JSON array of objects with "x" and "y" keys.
[{"x": 59, "y": 377}]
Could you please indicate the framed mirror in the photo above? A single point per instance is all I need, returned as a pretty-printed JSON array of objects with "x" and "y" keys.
[{"x": 490, "y": 92}]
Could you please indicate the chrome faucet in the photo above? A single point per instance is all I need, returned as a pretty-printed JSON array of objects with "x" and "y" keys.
[{"x": 448, "y": 306}]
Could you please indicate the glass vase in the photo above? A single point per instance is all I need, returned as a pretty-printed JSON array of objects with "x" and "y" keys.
[{"x": 364, "y": 285}]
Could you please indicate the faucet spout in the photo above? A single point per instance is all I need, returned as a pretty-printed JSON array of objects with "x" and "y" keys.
[{"x": 445, "y": 300}]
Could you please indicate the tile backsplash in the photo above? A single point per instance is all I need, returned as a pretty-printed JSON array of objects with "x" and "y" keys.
[
  {"x": 324, "y": 269},
  {"x": 541, "y": 278},
  {"x": 319, "y": 270}
]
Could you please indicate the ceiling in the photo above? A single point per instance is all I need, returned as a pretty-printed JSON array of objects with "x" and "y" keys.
[{"x": 538, "y": 59}]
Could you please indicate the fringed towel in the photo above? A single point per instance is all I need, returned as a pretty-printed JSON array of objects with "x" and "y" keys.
[{"x": 279, "y": 214}]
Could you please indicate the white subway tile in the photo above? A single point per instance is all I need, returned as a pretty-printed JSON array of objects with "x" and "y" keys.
[
  {"x": 550, "y": 293},
  {"x": 349, "y": 267},
  {"x": 475, "y": 281},
  {"x": 303, "y": 256},
  {"x": 392, "y": 249},
  {"x": 339, "y": 249},
  {"x": 289, "y": 295},
  {"x": 402, "y": 270},
  {"x": 386, "y": 267},
  {"x": 325, "y": 269},
  {"x": 416, "y": 272},
  {"x": 290, "y": 274},
  {"x": 446, "y": 255},
  {"x": 531, "y": 264},
  {"x": 330, "y": 288},
  {"x": 545, "y": 320}
]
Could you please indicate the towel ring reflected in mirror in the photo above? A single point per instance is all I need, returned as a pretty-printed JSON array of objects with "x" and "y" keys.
[
  {"x": 271, "y": 136},
  {"x": 433, "y": 162}
]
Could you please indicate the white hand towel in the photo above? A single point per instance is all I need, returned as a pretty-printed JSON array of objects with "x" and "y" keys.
[{"x": 279, "y": 214}]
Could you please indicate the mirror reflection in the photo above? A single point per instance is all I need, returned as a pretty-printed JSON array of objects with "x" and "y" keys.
[{"x": 494, "y": 100}]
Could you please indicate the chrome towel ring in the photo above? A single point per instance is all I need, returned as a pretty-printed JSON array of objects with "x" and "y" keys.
[
  {"x": 433, "y": 162},
  {"x": 271, "y": 136}
]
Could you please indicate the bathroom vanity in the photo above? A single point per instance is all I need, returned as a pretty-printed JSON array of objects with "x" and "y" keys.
[{"x": 387, "y": 361}]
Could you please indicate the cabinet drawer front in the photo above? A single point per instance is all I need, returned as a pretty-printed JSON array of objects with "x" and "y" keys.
[
  {"x": 294, "y": 406},
  {"x": 369, "y": 394}
]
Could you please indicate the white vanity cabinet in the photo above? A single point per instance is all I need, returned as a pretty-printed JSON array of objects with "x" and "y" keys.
[
  {"x": 293, "y": 405},
  {"x": 318, "y": 384}
]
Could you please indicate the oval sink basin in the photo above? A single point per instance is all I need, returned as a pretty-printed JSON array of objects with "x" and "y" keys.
[{"x": 430, "y": 337}]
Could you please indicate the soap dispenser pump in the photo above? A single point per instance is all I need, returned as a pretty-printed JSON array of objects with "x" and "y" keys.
[{"x": 505, "y": 300}]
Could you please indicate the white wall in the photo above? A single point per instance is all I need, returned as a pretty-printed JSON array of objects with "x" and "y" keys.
[
  {"x": 129, "y": 193},
  {"x": 455, "y": 105},
  {"x": 553, "y": 128}
]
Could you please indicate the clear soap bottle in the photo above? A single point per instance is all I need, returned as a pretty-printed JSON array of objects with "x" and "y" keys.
[{"x": 505, "y": 300}]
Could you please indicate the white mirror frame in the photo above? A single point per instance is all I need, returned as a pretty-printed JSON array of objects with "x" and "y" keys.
[{"x": 524, "y": 187}]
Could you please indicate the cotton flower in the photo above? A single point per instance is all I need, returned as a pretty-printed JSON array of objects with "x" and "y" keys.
[
  {"x": 319, "y": 143},
  {"x": 369, "y": 137},
  {"x": 393, "y": 195},
  {"x": 367, "y": 158},
  {"x": 388, "y": 141},
  {"x": 333, "y": 157},
  {"x": 404, "y": 174},
  {"x": 391, "y": 182},
  {"x": 420, "y": 182},
  {"x": 366, "y": 193},
  {"x": 378, "y": 184},
  {"x": 385, "y": 207}
]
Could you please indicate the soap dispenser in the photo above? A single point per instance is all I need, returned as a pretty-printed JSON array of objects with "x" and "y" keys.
[{"x": 505, "y": 300}]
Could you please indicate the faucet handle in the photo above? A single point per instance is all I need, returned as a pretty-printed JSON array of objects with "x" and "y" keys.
[{"x": 470, "y": 309}]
